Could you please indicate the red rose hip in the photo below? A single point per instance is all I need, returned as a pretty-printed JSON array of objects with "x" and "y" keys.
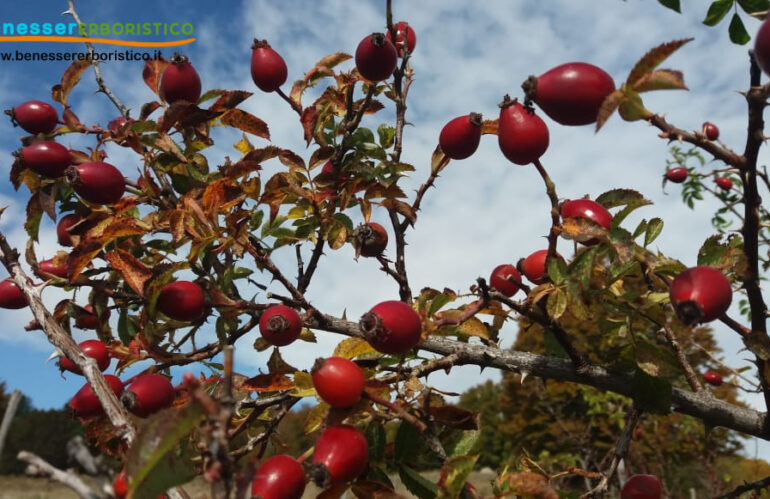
[
  {"x": 34, "y": 116},
  {"x": 411, "y": 38},
  {"x": 63, "y": 229},
  {"x": 460, "y": 138},
  {"x": 341, "y": 454},
  {"x": 338, "y": 381},
  {"x": 713, "y": 378},
  {"x": 591, "y": 210},
  {"x": 180, "y": 81},
  {"x": 268, "y": 69},
  {"x": 724, "y": 183},
  {"x": 280, "y": 325},
  {"x": 370, "y": 239},
  {"x": 677, "y": 175},
  {"x": 534, "y": 266},
  {"x": 182, "y": 301},
  {"x": 92, "y": 348},
  {"x": 521, "y": 134},
  {"x": 97, "y": 182},
  {"x": 48, "y": 158},
  {"x": 11, "y": 296},
  {"x": 391, "y": 327},
  {"x": 710, "y": 130},
  {"x": 280, "y": 477},
  {"x": 376, "y": 57},
  {"x": 88, "y": 319},
  {"x": 148, "y": 394},
  {"x": 700, "y": 294},
  {"x": 642, "y": 487},
  {"x": 506, "y": 279},
  {"x": 50, "y": 266},
  {"x": 85, "y": 403}
]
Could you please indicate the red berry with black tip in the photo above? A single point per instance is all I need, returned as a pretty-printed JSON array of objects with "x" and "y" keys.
[
  {"x": 182, "y": 301},
  {"x": 370, "y": 239},
  {"x": 51, "y": 267},
  {"x": 591, "y": 210},
  {"x": 280, "y": 477},
  {"x": 268, "y": 69},
  {"x": 97, "y": 182},
  {"x": 534, "y": 266},
  {"x": 521, "y": 134},
  {"x": 713, "y": 378},
  {"x": 180, "y": 81},
  {"x": 506, "y": 279},
  {"x": 411, "y": 38},
  {"x": 460, "y": 138},
  {"x": 85, "y": 403},
  {"x": 92, "y": 348},
  {"x": 34, "y": 116},
  {"x": 338, "y": 381},
  {"x": 63, "y": 229},
  {"x": 710, "y": 130},
  {"x": 376, "y": 57},
  {"x": 572, "y": 93},
  {"x": 700, "y": 294},
  {"x": 48, "y": 158},
  {"x": 11, "y": 296},
  {"x": 148, "y": 394},
  {"x": 677, "y": 175},
  {"x": 280, "y": 325},
  {"x": 391, "y": 327},
  {"x": 341, "y": 454},
  {"x": 642, "y": 487},
  {"x": 724, "y": 183}
]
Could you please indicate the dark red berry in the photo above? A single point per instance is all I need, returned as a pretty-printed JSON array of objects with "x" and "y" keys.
[
  {"x": 98, "y": 182},
  {"x": 48, "y": 158},
  {"x": 411, "y": 38},
  {"x": 710, "y": 130},
  {"x": 341, "y": 454},
  {"x": 280, "y": 325},
  {"x": 11, "y": 296},
  {"x": 713, "y": 378},
  {"x": 52, "y": 267},
  {"x": 180, "y": 81},
  {"x": 85, "y": 403},
  {"x": 268, "y": 69},
  {"x": 392, "y": 327},
  {"x": 376, "y": 57},
  {"x": 63, "y": 229},
  {"x": 534, "y": 266},
  {"x": 88, "y": 319},
  {"x": 585, "y": 208},
  {"x": 570, "y": 94},
  {"x": 724, "y": 183},
  {"x": 92, "y": 348},
  {"x": 700, "y": 294},
  {"x": 118, "y": 123},
  {"x": 762, "y": 46},
  {"x": 148, "y": 394},
  {"x": 120, "y": 485},
  {"x": 642, "y": 487},
  {"x": 461, "y": 136},
  {"x": 280, "y": 477},
  {"x": 677, "y": 175},
  {"x": 34, "y": 116},
  {"x": 506, "y": 279},
  {"x": 521, "y": 134},
  {"x": 182, "y": 301},
  {"x": 338, "y": 381},
  {"x": 370, "y": 239}
]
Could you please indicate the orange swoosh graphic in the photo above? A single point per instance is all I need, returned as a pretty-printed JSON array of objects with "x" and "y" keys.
[{"x": 107, "y": 41}]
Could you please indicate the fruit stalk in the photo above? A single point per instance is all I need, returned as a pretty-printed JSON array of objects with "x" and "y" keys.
[
  {"x": 621, "y": 449},
  {"x": 550, "y": 189}
]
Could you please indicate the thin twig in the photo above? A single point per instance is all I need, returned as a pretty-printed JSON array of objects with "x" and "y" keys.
[{"x": 38, "y": 466}]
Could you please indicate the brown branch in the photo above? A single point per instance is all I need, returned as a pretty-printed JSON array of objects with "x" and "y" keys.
[
  {"x": 550, "y": 189},
  {"x": 689, "y": 372},
  {"x": 303, "y": 280},
  {"x": 404, "y": 292},
  {"x": 621, "y": 449},
  {"x": 38, "y": 466},
  {"x": 671, "y": 133},
  {"x": 747, "y": 487},
  {"x": 294, "y": 105}
]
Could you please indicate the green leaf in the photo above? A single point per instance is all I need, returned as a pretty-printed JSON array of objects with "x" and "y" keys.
[
  {"x": 462, "y": 442},
  {"x": 582, "y": 266},
  {"x": 387, "y": 135},
  {"x": 455, "y": 472},
  {"x": 416, "y": 484},
  {"x": 717, "y": 11},
  {"x": 654, "y": 228},
  {"x": 651, "y": 394},
  {"x": 557, "y": 270},
  {"x": 655, "y": 360},
  {"x": 557, "y": 304},
  {"x": 752, "y": 6},
  {"x": 375, "y": 438},
  {"x": 407, "y": 443},
  {"x": 128, "y": 326},
  {"x": 737, "y": 30},
  {"x": 671, "y": 4}
]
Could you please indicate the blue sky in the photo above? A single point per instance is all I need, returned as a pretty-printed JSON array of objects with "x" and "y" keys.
[{"x": 485, "y": 211}]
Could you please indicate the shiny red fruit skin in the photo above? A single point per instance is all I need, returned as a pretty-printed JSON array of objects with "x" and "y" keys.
[
  {"x": 724, "y": 183},
  {"x": 344, "y": 452},
  {"x": 585, "y": 208},
  {"x": 521, "y": 134},
  {"x": 180, "y": 81},
  {"x": 713, "y": 378},
  {"x": 572, "y": 94},
  {"x": 97, "y": 182},
  {"x": 120, "y": 485},
  {"x": 710, "y": 130},
  {"x": 89, "y": 320},
  {"x": 92, "y": 348},
  {"x": 677, "y": 175},
  {"x": 35, "y": 116},
  {"x": 534, "y": 268},
  {"x": 182, "y": 301},
  {"x": 49, "y": 267},
  {"x": 373, "y": 239},
  {"x": 392, "y": 327},
  {"x": 460, "y": 138},
  {"x": 48, "y": 158},
  {"x": 85, "y": 403},
  {"x": 148, "y": 394},
  {"x": 67, "y": 221},
  {"x": 280, "y": 325},
  {"x": 376, "y": 57},
  {"x": 268, "y": 69},
  {"x": 762, "y": 46},
  {"x": 11, "y": 296},
  {"x": 411, "y": 38},
  {"x": 506, "y": 279},
  {"x": 338, "y": 381},
  {"x": 642, "y": 487},
  {"x": 700, "y": 294},
  {"x": 280, "y": 477}
]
